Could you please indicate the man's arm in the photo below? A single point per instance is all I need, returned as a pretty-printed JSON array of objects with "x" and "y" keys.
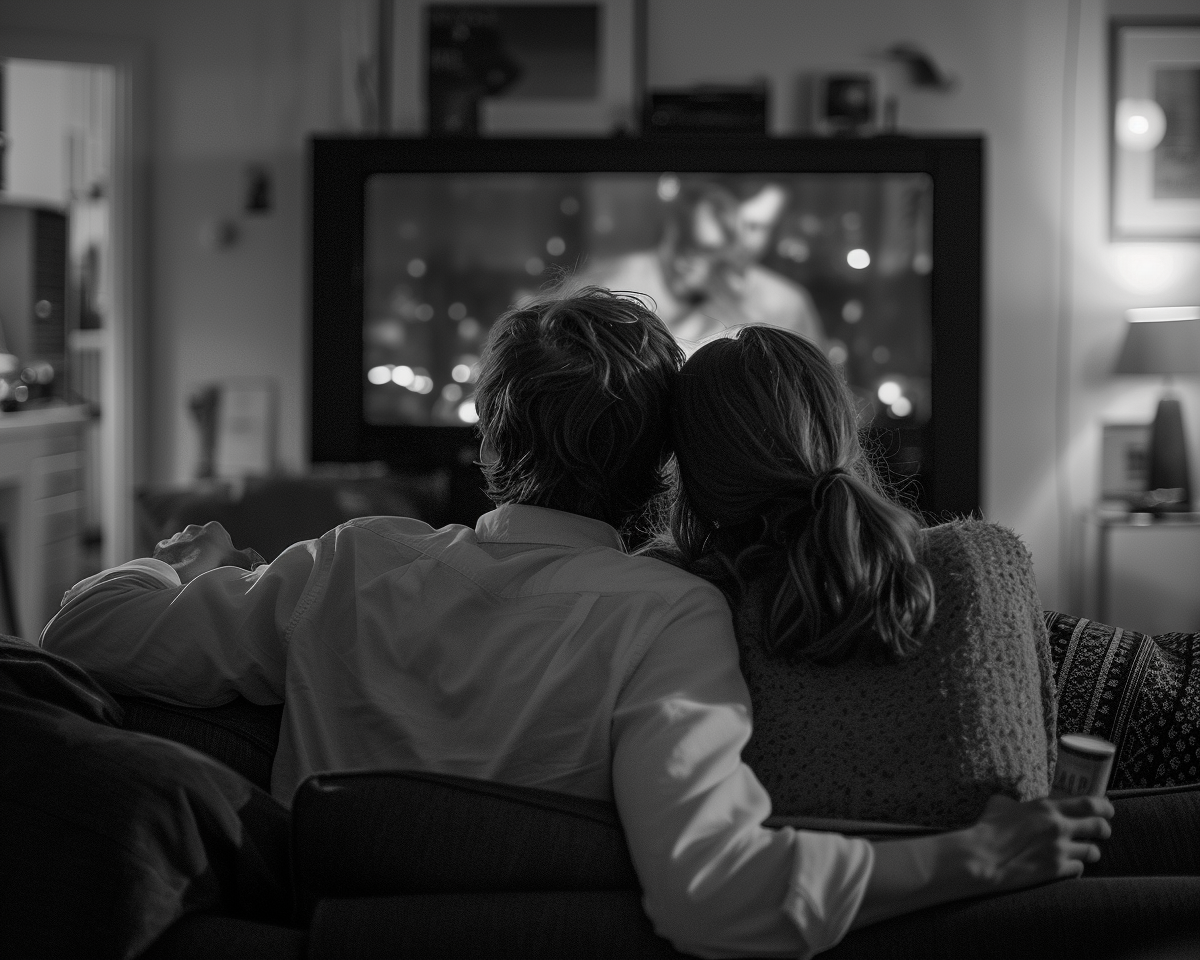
[
  {"x": 717, "y": 883},
  {"x": 187, "y": 632}
]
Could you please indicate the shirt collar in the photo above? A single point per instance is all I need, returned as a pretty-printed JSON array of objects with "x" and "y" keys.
[{"x": 518, "y": 523}]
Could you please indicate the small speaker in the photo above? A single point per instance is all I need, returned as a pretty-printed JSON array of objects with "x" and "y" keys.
[{"x": 707, "y": 111}]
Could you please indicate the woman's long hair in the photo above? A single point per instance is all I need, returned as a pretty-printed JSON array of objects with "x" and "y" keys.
[{"x": 774, "y": 485}]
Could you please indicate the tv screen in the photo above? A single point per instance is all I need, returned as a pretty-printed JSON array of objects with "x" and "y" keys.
[
  {"x": 842, "y": 259},
  {"x": 871, "y": 248}
]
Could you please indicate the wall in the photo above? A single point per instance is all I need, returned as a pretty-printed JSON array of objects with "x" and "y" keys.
[{"x": 237, "y": 82}]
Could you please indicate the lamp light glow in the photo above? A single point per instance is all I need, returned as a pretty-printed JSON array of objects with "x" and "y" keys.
[{"x": 1139, "y": 124}]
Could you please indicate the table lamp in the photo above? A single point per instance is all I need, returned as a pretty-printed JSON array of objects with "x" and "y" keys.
[{"x": 1165, "y": 342}]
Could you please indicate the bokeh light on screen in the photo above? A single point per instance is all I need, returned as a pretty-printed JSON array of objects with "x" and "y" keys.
[
  {"x": 534, "y": 266},
  {"x": 889, "y": 391},
  {"x": 424, "y": 312},
  {"x": 379, "y": 375},
  {"x": 852, "y": 311},
  {"x": 556, "y": 246},
  {"x": 452, "y": 392},
  {"x": 416, "y": 267},
  {"x": 858, "y": 258},
  {"x": 456, "y": 311},
  {"x": 467, "y": 412},
  {"x": 668, "y": 187},
  {"x": 461, "y": 373},
  {"x": 403, "y": 376},
  {"x": 901, "y": 407},
  {"x": 837, "y": 352}
]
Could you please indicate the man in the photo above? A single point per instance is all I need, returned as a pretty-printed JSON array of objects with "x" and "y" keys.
[
  {"x": 705, "y": 276},
  {"x": 533, "y": 650}
]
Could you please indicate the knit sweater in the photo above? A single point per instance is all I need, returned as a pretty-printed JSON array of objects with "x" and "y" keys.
[{"x": 924, "y": 740}]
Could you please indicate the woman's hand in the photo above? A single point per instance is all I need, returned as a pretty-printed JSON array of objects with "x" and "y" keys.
[
  {"x": 1014, "y": 845},
  {"x": 197, "y": 549}
]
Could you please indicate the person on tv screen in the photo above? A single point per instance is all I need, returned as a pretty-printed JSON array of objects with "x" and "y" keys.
[{"x": 706, "y": 276}]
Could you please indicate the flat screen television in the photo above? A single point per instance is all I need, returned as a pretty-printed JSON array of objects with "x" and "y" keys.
[{"x": 872, "y": 247}]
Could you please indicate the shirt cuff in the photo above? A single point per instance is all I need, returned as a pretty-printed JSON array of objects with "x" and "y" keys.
[
  {"x": 830, "y": 878},
  {"x": 159, "y": 570}
]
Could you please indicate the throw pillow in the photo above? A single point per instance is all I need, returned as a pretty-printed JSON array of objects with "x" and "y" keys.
[
  {"x": 1140, "y": 692},
  {"x": 107, "y": 837}
]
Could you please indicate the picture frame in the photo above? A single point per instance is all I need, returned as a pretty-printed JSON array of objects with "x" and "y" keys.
[
  {"x": 1124, "y": 461},
  {"x": 1155, "y": 129},
  {"x": 589, "y": 86},
  {"x": 246, "y": 419}
]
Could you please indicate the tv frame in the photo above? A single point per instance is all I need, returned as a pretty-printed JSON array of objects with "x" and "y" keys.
[{"x": 340, "y": 165}]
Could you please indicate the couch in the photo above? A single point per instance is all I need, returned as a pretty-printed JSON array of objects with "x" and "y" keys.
[{"x": 408, "y": 864}]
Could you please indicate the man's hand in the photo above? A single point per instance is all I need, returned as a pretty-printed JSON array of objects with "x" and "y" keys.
[
  {"x": 1014, "y": 845},
  {"x": 1018, "y": 845},
  {"x": 198, "y": 549}
]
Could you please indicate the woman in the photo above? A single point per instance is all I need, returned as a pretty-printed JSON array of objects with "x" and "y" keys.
[
  {"x": 832, "y": 583},
  {"x": 833, "y": 589}
]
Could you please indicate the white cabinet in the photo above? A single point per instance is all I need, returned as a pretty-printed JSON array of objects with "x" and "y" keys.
[
  {"x": 41, "y": 496},
  {"x": 1146, "y": 574}
]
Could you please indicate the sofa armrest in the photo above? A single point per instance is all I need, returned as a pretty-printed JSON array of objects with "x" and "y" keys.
[{"x": 404, "y": 832}]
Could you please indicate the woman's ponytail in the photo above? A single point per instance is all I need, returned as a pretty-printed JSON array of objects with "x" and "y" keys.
[{"x": 776, "y": 488}]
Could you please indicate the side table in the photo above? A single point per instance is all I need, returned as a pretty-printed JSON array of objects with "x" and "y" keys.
[{"x": 1146, "y": 571}]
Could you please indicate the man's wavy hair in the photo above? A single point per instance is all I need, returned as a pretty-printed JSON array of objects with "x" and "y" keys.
[
  {"x": 775, "y": 488},
  {"x": 573, "y": 392}
]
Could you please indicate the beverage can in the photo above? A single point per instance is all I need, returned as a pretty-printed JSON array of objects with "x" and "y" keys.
[{"x": 1084, "y": 766}]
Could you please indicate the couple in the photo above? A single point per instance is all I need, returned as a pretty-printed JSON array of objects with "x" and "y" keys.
[{"x": 533, "y": 650}]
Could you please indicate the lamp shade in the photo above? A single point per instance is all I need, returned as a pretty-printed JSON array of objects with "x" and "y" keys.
[{"x": 1161, "y": 341}]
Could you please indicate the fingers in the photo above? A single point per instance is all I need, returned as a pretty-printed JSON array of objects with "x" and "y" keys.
[
  {"x": 1083, "y": 853},
  {"x": 1091, "y": 828},
  {"x": 1085, "y": 806}
]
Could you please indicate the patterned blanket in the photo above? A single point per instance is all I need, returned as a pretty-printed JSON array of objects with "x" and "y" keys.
[{"x": 1140, "y": 692}]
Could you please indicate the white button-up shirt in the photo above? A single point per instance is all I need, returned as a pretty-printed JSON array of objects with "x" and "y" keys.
[{"x": 531, "y": 650}]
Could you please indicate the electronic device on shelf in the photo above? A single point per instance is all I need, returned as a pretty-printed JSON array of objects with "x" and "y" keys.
[{"x": 873, "y": 246}]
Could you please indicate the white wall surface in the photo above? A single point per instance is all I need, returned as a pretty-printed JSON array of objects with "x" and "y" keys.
[
  {"x": 36, "y": 113},
  {"x": 238, "y": 82}
]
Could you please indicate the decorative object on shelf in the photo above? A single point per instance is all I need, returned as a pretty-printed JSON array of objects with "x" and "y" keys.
[
  {"x": 505, "y": 67},
  {"x": 1165, "y": 342},
  {"x": 709, "y": 110},
  {"x": 922, "y": 69},
  {"x": 1156, "y": 129},
  {"x": 236, "y": 419},
  {"x": 846, "y": 103},
  {"x": 1124, "y": 462}
]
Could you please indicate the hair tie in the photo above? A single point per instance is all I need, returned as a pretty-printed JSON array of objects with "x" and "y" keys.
[{"x": 823, "y": 483}]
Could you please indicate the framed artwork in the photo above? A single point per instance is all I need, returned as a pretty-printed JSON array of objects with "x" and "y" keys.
[
  {"x": 516, "y": 67},
  {"x": 1124, "y": 461},
  {"x": 1155, "y": 142}
]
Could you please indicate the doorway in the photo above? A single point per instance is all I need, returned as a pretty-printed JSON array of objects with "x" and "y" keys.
[{"x": 73, "y": 124}]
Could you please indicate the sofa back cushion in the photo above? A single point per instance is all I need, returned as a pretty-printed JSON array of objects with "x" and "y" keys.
[
  {"x": 241, "y": 734},
  {"x": 404, "y": 832}
]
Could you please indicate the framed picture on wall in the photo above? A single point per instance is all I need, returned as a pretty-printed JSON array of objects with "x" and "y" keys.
[
  {"x": 1155, "y": 129},
  {"x": 1124, "y": 461},
  {"x": 516, "y": 67}
]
